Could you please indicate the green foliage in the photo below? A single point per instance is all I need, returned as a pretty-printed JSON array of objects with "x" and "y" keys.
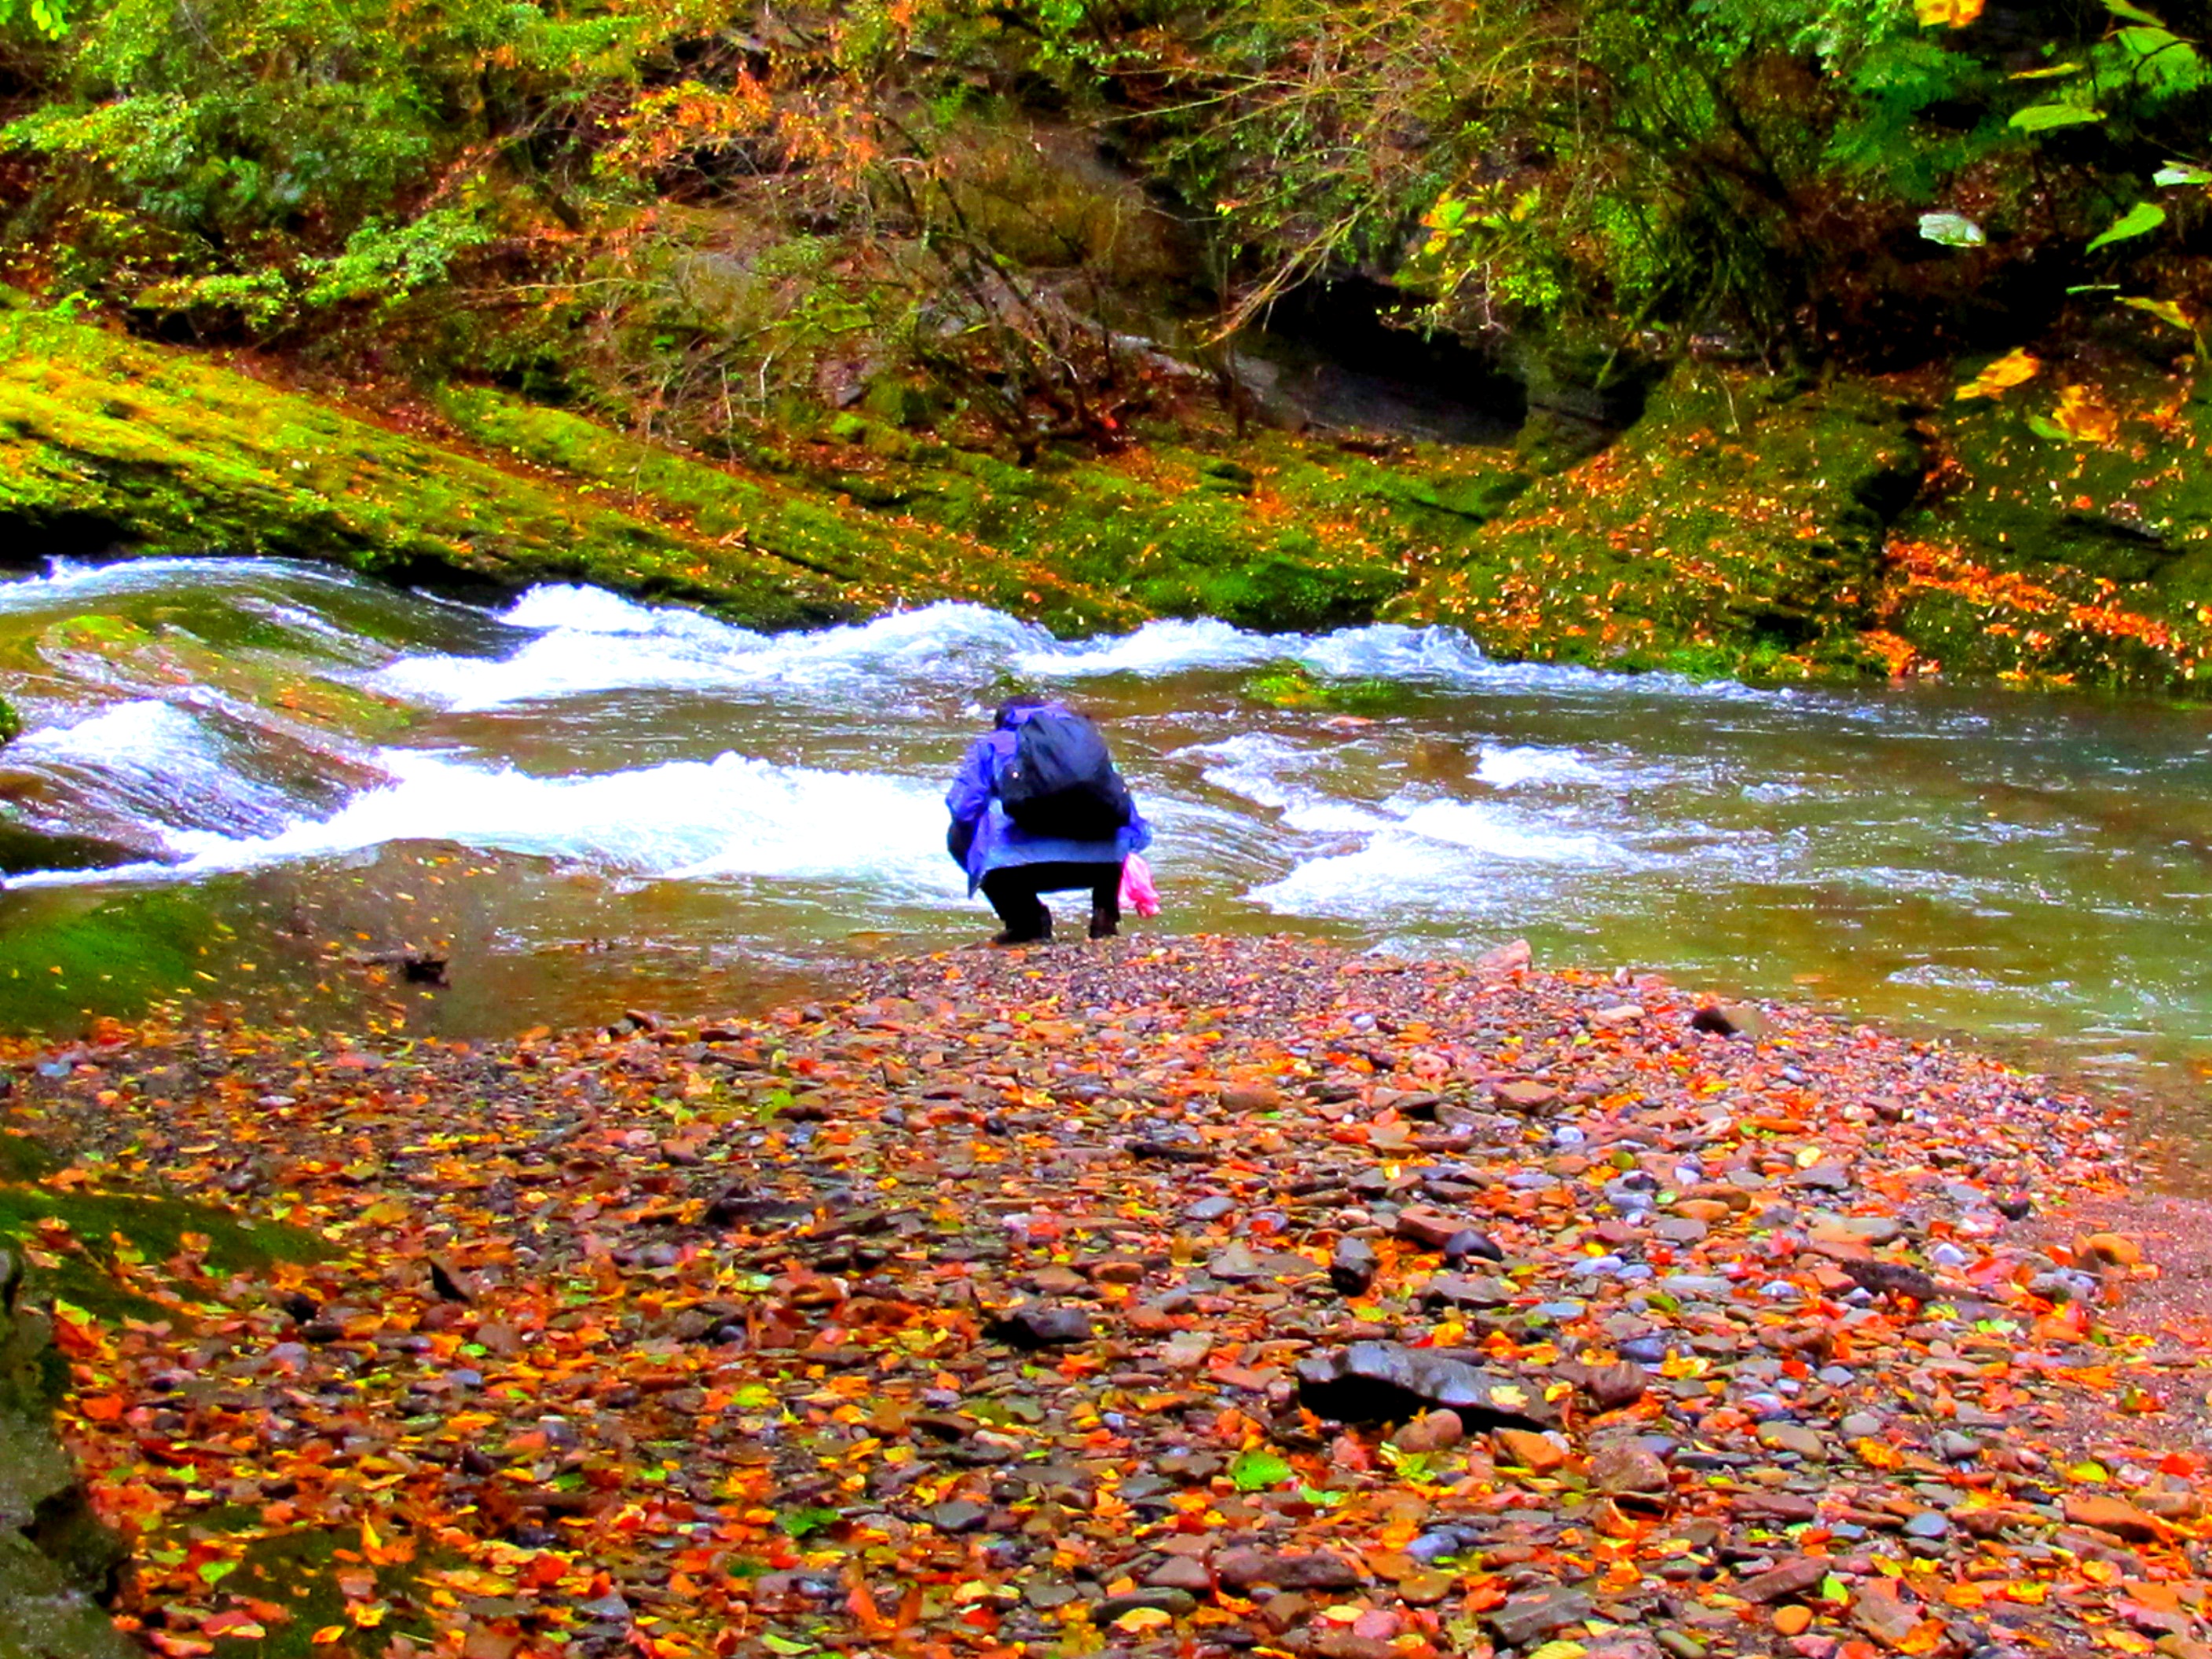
[
  {"x": 230, "y": 160},
  {"x": 1257, "y": 1470},
  {"x": 2138, "y": 220},
  {"x": 647, "y": 206},
  {"x": 48, "y": 18},
  {"x": 389, "y": 263}
]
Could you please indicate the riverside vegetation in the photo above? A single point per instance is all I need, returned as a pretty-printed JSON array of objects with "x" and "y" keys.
[{"x": 1807, "y": 342}]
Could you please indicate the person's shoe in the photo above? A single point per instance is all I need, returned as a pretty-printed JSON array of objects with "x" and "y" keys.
[
  {"x": 1042, "y": 936},
  {"x": 1104, "y": 926}
]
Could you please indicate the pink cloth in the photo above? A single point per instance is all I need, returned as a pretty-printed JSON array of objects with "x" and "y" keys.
[{"x": 1138, "y": 892}]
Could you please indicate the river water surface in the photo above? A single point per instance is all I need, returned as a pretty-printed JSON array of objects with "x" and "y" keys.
[{"x": 589, "y": 805}]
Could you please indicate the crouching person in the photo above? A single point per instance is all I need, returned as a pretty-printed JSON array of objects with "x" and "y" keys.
[{"x": 1039, "y": 807}]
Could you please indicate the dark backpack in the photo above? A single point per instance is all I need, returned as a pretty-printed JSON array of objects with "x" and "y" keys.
[{"x": 1060, "y": 780}]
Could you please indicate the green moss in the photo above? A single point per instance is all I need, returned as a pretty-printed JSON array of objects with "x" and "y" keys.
[
  {"x": 1738, "y": 529},
  {"x": 110, "y": 1226},
  {"x": 2043, "y": 558},
  {"x": 175, "y": 454},
  {"x": 1289, "y": 684},
  {"x": 61, "y": 952},
  {"x": 1747, "y": 526},
  {"x": 840, "y": 542},
  {"x": 22, "y": 1158},
  {"x": 296, "y": 1568},
  {"x": 253, "y": 662}
]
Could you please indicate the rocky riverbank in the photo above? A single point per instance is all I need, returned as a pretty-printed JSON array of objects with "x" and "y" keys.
[{"x": 1179, "y": 1298}]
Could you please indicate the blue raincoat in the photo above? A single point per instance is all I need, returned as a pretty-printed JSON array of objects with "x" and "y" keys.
[{"x": 994, "y": 842}]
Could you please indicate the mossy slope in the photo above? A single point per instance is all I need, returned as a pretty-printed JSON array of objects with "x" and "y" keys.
[
  {"x": 1746, "y": 525},
  {"x": 2066, "y": 535},
  {"x": 1283, "y": 534},
  {"x": 176, "y": 454},
  {"x": 1738, "y": 526}
]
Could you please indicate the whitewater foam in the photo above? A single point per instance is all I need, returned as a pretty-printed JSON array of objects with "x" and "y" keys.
[
  {"x": 585, "y": 641},
  {"x": 1252, "y": 767},
  {"x": 1518, "y": 766},
  {"x": 76, "y": 579},
  {"x": 734, "y": 815}
]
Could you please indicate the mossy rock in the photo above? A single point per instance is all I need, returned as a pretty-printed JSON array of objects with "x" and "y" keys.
[
  {"x": 109, "y": 1227},
  {"x": 1291, "y": 685},
  {"x": 838, "y": 539},
  {"x": 1740, "y": 525},
  {"x": 285, "y": 684},
  {"x": 1284, "y": 536},
  {"x": 2085, "y": 558}
]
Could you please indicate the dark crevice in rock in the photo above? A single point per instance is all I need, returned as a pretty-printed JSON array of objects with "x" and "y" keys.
[{"x": 57, "y": 1562}]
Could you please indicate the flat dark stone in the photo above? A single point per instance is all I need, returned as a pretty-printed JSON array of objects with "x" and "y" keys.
[
  {"x": 1529, "y": 1617},
  {"x": 1244, "y": 1569},
  {"x": 1173, "y": 1602},
  {"x": 1789, "y": 1579},
  {"x": 1388, "y": 1383},
  {"x": 1035, "y": 1326}
]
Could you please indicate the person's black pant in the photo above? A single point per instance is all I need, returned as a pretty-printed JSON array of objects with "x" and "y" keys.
[{"x": 1013, "y": 893}]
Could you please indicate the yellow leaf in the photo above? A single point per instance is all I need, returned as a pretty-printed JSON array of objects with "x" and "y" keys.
[
  {"x": 328, "y": 1634},
  {"x": 2085, "y": 417},
  {"x": 2009, "y": 371},
  {"x": 1875, "y": 1455},
  {"x": 1955, "y": 13},
  {"x": 1142, "y": 1619}
]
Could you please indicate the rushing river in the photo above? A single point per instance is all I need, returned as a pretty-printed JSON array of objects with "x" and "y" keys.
[{"x": 592, "y": 805}]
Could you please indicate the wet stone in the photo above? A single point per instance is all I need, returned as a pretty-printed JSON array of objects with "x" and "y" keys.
[
  {"x": 1531, "y": 1616},
  {"x": 1244, "y": 1569},
  {"x": 1387, "y": 1382},
  {"x": 1176, "y": 1603},
  {"x": 1034, "y": 1326},
  {"x": 958, "y": 1515},
  {"x": 1794, "y": 1437},
  {"x": 1180, "y": 1572},
  {"x": 1785, "y": 1580},
  {"x": 1460, "y": 1290},
  {"x": 1352, "y": 1265},
  {"x": 1628, "y": 1471},
  {"x": 1468, "y": 1243},
  {"x": 1431, "y": 1431}
]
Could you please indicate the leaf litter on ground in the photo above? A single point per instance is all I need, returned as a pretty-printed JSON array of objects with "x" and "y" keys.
[{"x": 1191, "y": 1298}]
